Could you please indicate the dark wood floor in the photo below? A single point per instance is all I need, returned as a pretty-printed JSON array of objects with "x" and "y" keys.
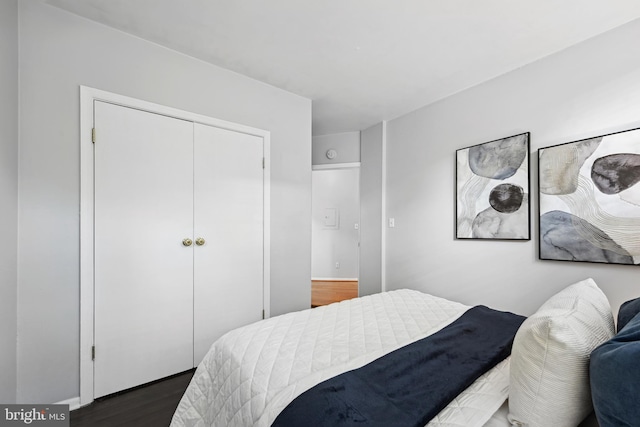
[{"x": 149, "y": 405}]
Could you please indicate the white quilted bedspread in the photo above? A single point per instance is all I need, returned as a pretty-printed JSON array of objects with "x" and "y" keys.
[{"x": 252, "y": 373}]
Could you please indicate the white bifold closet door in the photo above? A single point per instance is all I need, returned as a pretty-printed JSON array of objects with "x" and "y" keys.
[
  {"x": 228, "y": 267},
  {"x": 161, "y": 185}
]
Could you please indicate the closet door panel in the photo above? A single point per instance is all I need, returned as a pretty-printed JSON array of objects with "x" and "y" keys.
[
  {"x": 228, "y": 267},
  {"x": 143, "y": 272}
]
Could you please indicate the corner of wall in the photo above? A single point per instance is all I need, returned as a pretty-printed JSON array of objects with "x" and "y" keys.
[{"x": 372, "y": 259}]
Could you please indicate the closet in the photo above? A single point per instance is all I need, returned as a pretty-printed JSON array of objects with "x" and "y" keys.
[{"x": 178, "y": 235}]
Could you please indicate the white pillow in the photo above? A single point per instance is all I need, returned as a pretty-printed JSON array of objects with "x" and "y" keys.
[{"x": 549, "y": 378}]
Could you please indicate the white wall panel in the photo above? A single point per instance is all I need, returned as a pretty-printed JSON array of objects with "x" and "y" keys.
[
  {"x": 371, "y": 210},
  {"x": 8, "y": 196},
  {"x": 346, "y": 145},
  {"x": 335, "y": 250}
]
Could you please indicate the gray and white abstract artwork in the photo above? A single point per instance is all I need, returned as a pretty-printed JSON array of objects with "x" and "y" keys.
[
  {"x": 492, "y": 190},
  {"x": 590, "y": 200}
]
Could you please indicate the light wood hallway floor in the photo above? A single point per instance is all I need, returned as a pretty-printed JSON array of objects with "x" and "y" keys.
[{"x": 325, "y": 292}]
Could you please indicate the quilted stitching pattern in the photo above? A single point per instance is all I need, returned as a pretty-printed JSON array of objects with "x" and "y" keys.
[
  {"x": 250, "y": 374},
  {"x": 476, "y": 405}
]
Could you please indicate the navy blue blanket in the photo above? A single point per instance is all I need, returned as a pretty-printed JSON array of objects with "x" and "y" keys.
[{"x": 411, "y": 385}]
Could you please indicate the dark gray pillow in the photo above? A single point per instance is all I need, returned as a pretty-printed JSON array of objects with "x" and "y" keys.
[
  {"x": 628, "y": 311},
  {"x": 614, "y": 372}
]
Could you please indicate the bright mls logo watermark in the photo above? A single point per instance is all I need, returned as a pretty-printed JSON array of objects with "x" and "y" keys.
[{"x": 34, "y": 415}]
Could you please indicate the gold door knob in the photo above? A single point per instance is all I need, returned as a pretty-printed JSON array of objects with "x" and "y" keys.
[
  {"x": 199, "y": 241},
  {"x": 187, "y": 242}
]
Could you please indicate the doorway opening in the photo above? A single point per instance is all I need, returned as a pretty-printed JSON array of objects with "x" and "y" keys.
[{"x": 335, "y": 247}]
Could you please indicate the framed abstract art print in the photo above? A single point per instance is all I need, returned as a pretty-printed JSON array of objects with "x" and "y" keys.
[
  {"x": 492, "y": 190},
  {"x": 590, "y": 199}
]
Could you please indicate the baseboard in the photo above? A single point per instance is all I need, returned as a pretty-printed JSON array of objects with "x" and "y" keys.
[
  {"x": 333, "y": 279},
  {"x": 74, "y": 403}
]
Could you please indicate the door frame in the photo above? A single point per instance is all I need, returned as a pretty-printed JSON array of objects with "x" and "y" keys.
[{"x": 88, "y": 96}]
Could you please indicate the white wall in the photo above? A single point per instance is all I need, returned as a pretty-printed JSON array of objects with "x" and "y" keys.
[
  {"x": 346, "y": 144},
  {"x": 335, "y": 189},
  {"x": 8, "y": 196},
  {"x": 590, "y": 89},
  {"x": 371, "y": 210},
  {"x": 59, "y": 52}
]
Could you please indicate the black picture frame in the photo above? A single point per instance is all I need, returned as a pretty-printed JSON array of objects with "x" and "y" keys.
[
  {"x": 492, "y": 190},
  {"x": 589, "y": 200}
]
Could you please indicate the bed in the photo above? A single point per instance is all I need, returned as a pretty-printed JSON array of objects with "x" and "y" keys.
[{"x": 253, "y": 375}]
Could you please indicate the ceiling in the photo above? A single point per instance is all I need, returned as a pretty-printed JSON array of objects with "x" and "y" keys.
[{"x": 363, "y": 61}]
